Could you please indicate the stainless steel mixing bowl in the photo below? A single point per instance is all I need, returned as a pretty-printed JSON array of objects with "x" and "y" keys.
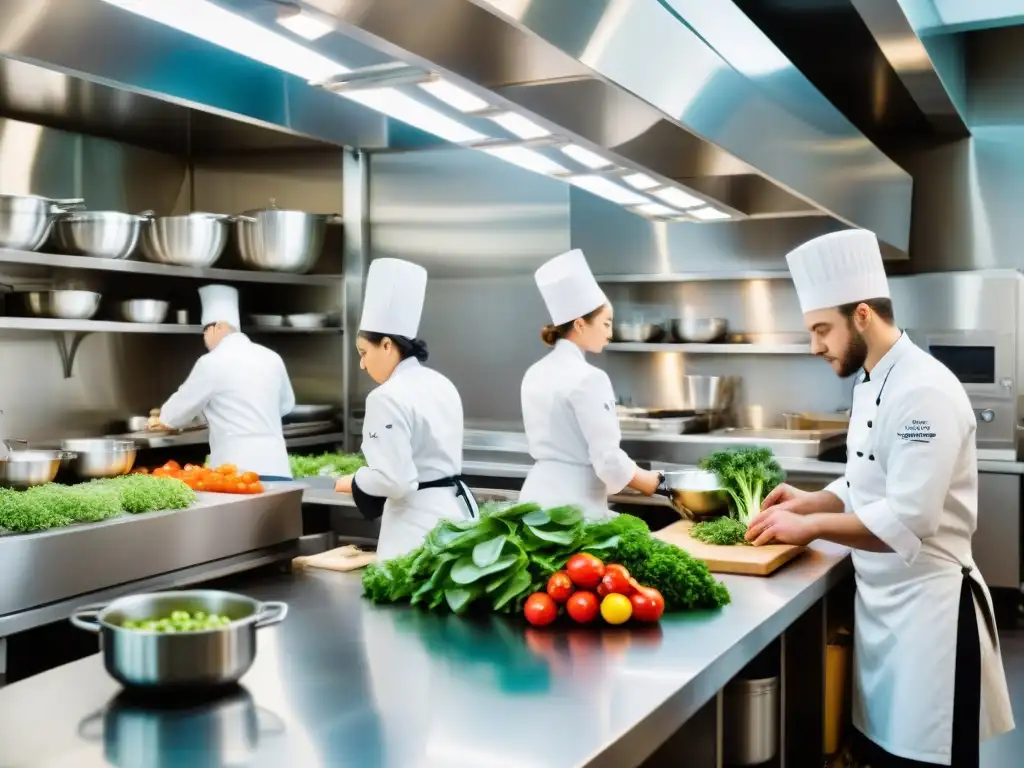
[
  {"x": 26, "y": 469},
  {"x": 635, "y": 332},
  {"x": 695, "y": 493},
  {"x": 195, "y": 240},
  {"x": 281, "y": 241},
  {"x": 144, "y": 310},
  {"x": 25, "y": 220},
  {"x": 101, "y": 234},
  {"x": 699, "y": 330},
  {"x": 183, "y": 659},
  {"x": 63, "y": 304},
  {"x": 93, "y": 458}
]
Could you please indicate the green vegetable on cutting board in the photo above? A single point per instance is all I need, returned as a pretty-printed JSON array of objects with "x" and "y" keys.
[
  {"x": 325, "y": 465},
  {"x": 747, "y": 475},
  {"x": 723, "y": 531}
]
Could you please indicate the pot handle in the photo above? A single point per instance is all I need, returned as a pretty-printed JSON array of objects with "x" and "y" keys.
[
  {"x": 271, "y": 613},
  {"x": 67, "y": 204},
  {"x": 85, "y": 616},
  {"x": 16, "y": 444},
  {"x": 87, "y": 728},
  {"x": 240, "y": 217}
]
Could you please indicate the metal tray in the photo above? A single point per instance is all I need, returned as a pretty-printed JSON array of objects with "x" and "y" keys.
[{"x": 790, "y": 443}]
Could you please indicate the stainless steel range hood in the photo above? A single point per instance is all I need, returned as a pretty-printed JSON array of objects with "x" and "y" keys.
[{"x": 628, "y": 79}]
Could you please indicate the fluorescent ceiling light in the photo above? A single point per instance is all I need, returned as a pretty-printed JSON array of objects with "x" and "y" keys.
[
  {"x": 528, "y": 159},
  {"x": 303, "y": 24},
  {"x": 709, "y": 213},
  {"x": 405, "y": 108},
  {"x": 586, "y": 157},
  {"x": 609, "y": 190},
  {"x": 454, "y": 96},
  {"x": 655, "y": 209},
  {"x": 641, "y": 181},
  {"x": 678, "y": 198},
  {"x": 522, "y": 127},
  {"x": 216, "y": 25}
]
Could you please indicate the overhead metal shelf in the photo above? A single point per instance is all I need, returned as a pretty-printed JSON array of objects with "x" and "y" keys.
[
  {"x": 713, "y": 349},
  {"x": 687, "y": 277}
]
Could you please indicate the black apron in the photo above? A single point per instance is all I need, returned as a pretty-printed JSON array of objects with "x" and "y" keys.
[{"x": 372, "y": 507}]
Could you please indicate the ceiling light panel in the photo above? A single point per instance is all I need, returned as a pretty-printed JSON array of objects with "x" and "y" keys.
[
  {"x": 708, "y": 214},
  {"x": 608, "y": 189},
  {"x": 586, "y": 157},
  {"x": 303, "y": 24},
  {"x": 528, "y": 159},
  {"x": 655, "y": 209},
  {"x": 641, "y": 181},
  {"x": 677, "y": 198},
  {"x": 454, "y": 96},
  {"x": 520, "y": 126}
]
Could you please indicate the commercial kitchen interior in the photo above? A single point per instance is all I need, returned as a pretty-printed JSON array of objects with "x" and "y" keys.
[{"x": 684, "y": 145}]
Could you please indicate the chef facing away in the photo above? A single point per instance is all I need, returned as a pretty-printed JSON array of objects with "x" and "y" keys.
[
  {"x": 569, "y": 414},
  {"x": 413, "y": 428},
  {"x": 928, "y": 676},
  {"x": 240, "y": 387}
]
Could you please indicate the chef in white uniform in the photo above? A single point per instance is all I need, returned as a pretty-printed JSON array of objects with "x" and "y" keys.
[
  {"x": 413, "y": 428},
  {"x": 928, "y": 676},
  {"x": 569, "y": 413},
  {"x": 240, "y": 387}
]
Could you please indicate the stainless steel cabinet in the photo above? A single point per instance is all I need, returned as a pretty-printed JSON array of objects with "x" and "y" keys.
[{"x": 996, "y": 543}]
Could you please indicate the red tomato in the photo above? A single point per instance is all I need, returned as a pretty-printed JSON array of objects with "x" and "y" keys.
[
  {"x": 614, "y": 583},
  {"x": 583, "y": 607},
  {"x": 560, "y": 586},
  {"x": 585, "y": 571},
  {"x": 616, "y": 568},
  {"x": 648, "y": 605},
  {"x": 540, "y": 610},
  {"x": 172, "y": 466}
]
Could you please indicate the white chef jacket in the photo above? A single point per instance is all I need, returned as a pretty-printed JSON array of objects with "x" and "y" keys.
[
  {"x": 243, "y": 390},
  {"x": 912, "y": 479},
  {"x": 572, "y": 428},
  {"x": 412, "y": 434}
]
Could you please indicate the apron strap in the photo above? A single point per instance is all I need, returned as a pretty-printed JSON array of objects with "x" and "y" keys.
[
  {"x": 986, "y": 611},
  {"x": 965, "y": 747},
  {"x": 461, "y": 490}
]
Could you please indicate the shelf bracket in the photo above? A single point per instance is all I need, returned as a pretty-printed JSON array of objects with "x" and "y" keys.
[{"x": 67, "y": 346}]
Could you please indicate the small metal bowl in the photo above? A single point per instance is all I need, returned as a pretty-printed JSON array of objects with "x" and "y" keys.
[
  {"x": 91, "y": 459},
  {"x": 268, "y": 321},
  {"x": 699, "y": 330},
  {"x": 695, "y": 493},
  {"x": 307, "y": 320},
  {"x": 636, "y": 332},
  {"x": 63, "y": 304},
  {"x": 27, "y": 469},
  {"x": 151, "y": 311}
]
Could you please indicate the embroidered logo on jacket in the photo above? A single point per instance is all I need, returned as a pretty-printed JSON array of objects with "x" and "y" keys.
[{"x": 916, "y": 431}]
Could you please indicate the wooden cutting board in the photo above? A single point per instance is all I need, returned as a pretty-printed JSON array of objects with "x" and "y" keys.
[
  {"x": 347, "y": 558},
  {"x": 750, "y": 561}
]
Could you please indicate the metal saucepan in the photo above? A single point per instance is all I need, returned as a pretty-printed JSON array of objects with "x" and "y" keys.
[
  {"x": 699, "y": 330},
  {"x": 208, "y": 658},
  {"x": 101, "y": 234},
  {"x": 695, "y": 493},
  {"x": 25, "y": 220},
  {"x": 152, "y": 311},
  {"x": 63, "y": 304},
  {"x": 281, "y": 241},
  {"x": 93, "y": 458},
  {"x": 194, "y": 240}
]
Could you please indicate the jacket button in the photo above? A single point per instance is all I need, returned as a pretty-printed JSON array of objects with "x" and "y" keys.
[
  {"x": 869, "y": 425},
  {"x": 847, "y": 483},
  {"x": 871, "y": 457},
  {"x": 860, "y": 455}
]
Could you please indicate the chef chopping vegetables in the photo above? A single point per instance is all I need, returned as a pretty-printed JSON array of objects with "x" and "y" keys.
[
  {"x": 412, "y": 431},
  {"x": 240, "y": 387},
  {"x": 928, "y": 676},
  {"x": 569, "y": 413}
]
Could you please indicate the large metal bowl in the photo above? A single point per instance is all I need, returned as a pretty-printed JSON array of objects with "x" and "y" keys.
[
  {"x": 94, "y": 458},
  {"x": 699, "y": 330},
  {"x": 695, "y": 493},
  {"x": 151, "y": 311},
  {"x": 208, "y": 658},
  {"x": 65, "y": 305},
  {"x": 26, "y": 469},
  {"x": 101, "y": 234},
  {"x": 636, "y": 332},
  {"x": 310, "y": 412},
  {"x": 281, "y": 241},
  {"x": 195, "y": 240},
  {"x": 25, "y": 220},
  {"x": 307, "y": 320}
]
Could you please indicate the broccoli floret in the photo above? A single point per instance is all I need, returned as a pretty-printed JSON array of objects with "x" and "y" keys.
[{"x": 748, "y": 474}]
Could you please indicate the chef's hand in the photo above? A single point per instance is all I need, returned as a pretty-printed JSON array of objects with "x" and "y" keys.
[
  {"x": 646, "y": 481},
  {"x": 344, "y": 484},
  {"x": 787, "y": 495},
  {"x": 781, "y": 526}
]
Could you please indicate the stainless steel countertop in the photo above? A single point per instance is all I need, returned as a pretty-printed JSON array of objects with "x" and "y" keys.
[{"x": 344, "y": 683}]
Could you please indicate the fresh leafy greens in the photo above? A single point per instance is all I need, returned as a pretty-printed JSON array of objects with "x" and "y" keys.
[
  {"x": 325, "y": 465},
  {"x": 723, "y": 531},
  {"x": 510, "y": 551},
  {"x": 748, "y": 475}
]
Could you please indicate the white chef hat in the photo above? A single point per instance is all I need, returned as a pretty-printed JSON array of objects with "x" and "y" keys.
[
  {"x": 393, "y": 302},
  {"x": 568, "y": 287},
  {"x": 220, "y": 305},
  {"x": 838, "y": 268}
]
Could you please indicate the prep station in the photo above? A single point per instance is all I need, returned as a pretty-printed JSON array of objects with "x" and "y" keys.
[{"x": 478, "y": 138}]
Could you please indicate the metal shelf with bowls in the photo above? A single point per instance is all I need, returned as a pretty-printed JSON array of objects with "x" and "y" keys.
[
  {"x": 720, "y": 348},
  {"x": 687, "y": 277}
]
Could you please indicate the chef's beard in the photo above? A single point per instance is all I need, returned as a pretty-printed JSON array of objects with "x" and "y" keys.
[{"x": 855, "y": 354}]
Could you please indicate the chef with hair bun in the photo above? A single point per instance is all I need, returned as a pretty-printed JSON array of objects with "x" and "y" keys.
[
  {"x": 569, "y": 412},
  {"x": 413, "y": 428},
  {"x": 928, "y": 677}
]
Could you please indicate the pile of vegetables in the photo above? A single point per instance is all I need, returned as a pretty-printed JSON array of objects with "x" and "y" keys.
[
  {"x": 587, "y": 587},
  {"x": 748, "y": 475},
  {"x": 223, "y": 479},
  {"x": 511, "y": 551},
  {"x": 54, "y": 506},
  {"x": 179, "y": 621},
  {"x": 325, "y": 465}
]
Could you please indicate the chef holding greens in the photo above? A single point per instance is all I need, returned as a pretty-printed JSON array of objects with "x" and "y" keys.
[
  {"x": 240, "y": 387},
  {"x": 413, "y": 428},
  {"x": 569, "y": 413},
  {"x": 928, "y": 677}
]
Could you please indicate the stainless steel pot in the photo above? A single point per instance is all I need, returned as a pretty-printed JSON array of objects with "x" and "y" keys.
[
  {"x": 93, "y": 458},
  {"x": 281, "y": 241},
  {"x": 750, "y": 713},
  {"x": 195, "y": 240},
  {"x": 208, "y": 658},
  {"x": 25, "y": 220},
  {"x": 695, "y": 493},
  {"x": 26, "y": 468},
  {"x": 699, "y": 330},
  {"x": 101, "y": 234},
  {"x": 66, "y": 305},
  {"x": 708, "y": 394},
  {"x": 144, "y": 310}
]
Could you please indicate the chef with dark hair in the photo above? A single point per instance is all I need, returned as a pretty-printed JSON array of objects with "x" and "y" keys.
[{"x": 928, "y": 676}]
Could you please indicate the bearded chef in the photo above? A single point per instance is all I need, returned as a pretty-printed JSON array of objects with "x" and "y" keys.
[
  {"x": 240, "y": 387},
  {"x": 572, "y": 426},
  {"x": 929, "y": 681},
  {"x": 413, "y": 428}
]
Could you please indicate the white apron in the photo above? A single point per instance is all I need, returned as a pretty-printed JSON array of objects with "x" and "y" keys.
[
  {"x": 557, "y": 483},
  {"x": 406, "y": 522},
  {"x": 906, "y": 616}
]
